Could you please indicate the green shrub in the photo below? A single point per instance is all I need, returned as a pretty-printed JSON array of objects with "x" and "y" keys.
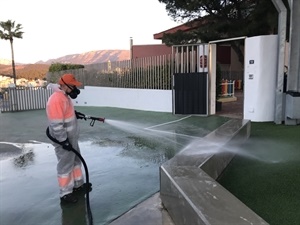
[{"x": 56, "y": 67}]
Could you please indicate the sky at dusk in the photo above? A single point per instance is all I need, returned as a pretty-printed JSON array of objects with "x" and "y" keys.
[{"x": 55, "y": 28}]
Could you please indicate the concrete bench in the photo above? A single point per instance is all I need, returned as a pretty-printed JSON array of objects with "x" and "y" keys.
[{"x": 188, "y": 187}]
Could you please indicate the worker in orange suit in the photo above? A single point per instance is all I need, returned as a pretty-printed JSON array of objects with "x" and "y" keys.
[{"x": 63, "y": 128}]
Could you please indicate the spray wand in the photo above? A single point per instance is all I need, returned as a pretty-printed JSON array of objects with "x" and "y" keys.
[{"x": 80, "y": 115}]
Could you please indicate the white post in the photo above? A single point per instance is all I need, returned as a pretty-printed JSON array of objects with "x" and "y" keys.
[{"x": 212, "y": 68}]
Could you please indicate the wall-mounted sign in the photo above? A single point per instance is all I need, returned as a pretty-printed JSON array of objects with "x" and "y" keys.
[{"x": 203, "y": 61}]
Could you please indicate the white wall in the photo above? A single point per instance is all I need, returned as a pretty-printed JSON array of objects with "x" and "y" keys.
[
  {"x": 260, "y": 78},
  {"x": 139, "y": 99}
]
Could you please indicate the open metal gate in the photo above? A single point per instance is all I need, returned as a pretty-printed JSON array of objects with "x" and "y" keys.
[{"x": 190, "y": 79}]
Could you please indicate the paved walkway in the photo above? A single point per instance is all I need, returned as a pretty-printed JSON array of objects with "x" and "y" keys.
[
  {"x": 151, "y": 211},
  {"x": 233, "y": 109},
  {"x": 276, "y": 148},
  {"x": 28, "y": 126}
]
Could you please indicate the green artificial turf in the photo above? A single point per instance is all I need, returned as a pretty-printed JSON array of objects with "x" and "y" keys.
[{"x": 265, "y": 173}]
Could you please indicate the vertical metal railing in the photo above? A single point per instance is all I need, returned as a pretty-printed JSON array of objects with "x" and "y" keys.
[
  {"x": 24, "y": 98},
  {"x": 144, "y": 73},
  {"x": 191, "y": 58}
]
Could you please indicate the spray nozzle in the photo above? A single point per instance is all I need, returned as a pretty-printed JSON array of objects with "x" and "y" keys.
[
  {"x": 101, "y": 119},
  {"x": 94, "y": 119}
]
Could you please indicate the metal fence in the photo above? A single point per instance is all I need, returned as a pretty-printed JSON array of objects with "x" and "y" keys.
[
  {"x": 24, "y": 98},
  {"x": 190, "y": 58},
  {"x": 142, "y": 73}
]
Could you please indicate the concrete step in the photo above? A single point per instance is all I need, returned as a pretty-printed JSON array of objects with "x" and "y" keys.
[{"x": 188, "y": 187}]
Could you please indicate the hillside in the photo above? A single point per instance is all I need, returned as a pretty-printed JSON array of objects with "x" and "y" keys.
[
  {"x": 92, "y": 57},
  {"x": 40, "y": 68},
  {"x": 27, "y": 71}
]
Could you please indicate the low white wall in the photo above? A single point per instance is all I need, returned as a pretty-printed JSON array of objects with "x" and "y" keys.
[{"x": 139, "y": 99}]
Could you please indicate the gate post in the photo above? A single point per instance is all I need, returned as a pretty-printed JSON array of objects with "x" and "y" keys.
[{"x": 212, "y": 69}]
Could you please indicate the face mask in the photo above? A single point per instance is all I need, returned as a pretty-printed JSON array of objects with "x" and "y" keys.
[{"x": 74, "y": 93}]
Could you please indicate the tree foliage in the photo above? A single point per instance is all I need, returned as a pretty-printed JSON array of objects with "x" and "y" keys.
[
  {"x": 8, "y": 31},
  {"x": 220, "y": 19}
]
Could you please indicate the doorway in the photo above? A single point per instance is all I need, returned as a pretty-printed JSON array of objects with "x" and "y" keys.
[{"x": 232, "y": 76}]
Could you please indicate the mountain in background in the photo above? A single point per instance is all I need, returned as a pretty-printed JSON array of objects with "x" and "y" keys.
[
  {"x": 92, "y": 57},
  {"x": 40, "y": 68}
]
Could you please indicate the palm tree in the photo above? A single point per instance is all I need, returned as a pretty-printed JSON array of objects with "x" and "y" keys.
[{"x": 8, "y": 31}]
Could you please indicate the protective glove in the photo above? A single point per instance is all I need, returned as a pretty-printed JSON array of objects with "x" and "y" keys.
[
  {"x": 80, "y": 115},
  {"x": 66, "y": 145}
]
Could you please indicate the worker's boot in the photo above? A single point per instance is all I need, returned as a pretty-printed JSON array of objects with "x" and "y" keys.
[
  {"x": 69, "y": 198},
  {"x": 83, "y": 188}
]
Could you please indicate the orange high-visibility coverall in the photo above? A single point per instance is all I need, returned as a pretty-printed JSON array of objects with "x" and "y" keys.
[{"x": 62, "y": 125}]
